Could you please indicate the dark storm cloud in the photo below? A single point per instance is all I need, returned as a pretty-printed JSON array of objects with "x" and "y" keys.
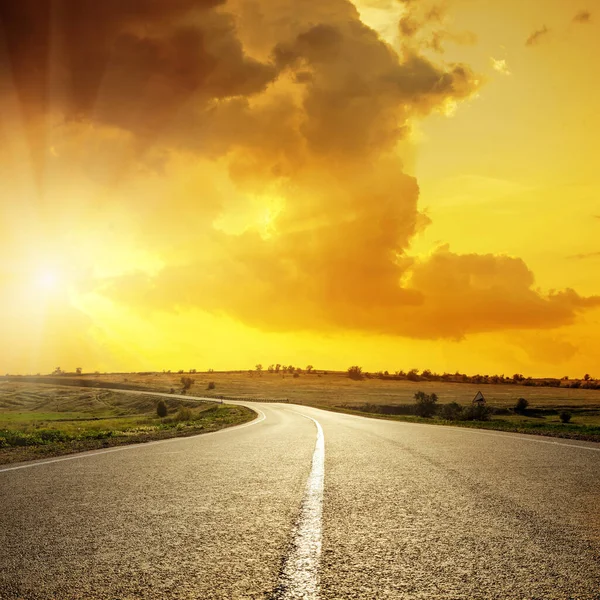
[{"x": 124, "y": 62}]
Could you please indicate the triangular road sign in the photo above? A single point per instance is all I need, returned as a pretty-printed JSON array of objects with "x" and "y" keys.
[{"x": 479, "y": 398}]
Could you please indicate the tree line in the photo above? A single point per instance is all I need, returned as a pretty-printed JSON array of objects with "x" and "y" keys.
[{"x": 586, "y": 382}]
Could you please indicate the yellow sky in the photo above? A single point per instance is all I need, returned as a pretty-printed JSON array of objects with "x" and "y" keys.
[{"x": 195, "y": 184}]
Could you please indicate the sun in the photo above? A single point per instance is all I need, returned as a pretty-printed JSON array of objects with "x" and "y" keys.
[{"x": 47, "y": 280}]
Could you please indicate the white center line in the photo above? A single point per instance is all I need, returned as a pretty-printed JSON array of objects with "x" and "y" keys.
[{"x": 300, "y": 574}]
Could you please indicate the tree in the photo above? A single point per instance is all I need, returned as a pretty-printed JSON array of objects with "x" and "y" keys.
[
  {"x": 355, "y": 372},
  {"x": 57, "y": 371},
  {"x": 78, "y": 370},
  {"x": 271, "y": 368},
  {"x": 425, "y": 404},
  {"x": 291, "y": 369},
  {"x": 161, "y": 409},
  {"x": 277, "y": 368},
  {"x": 586, "y": 377},
  {"x": 259, "y": 369},
  {"x": 413, "y": 375},
  {"x": 309, "y": 369}
]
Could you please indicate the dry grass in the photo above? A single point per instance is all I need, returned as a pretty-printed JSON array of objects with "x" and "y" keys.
[{"x": 336, "y": 389}]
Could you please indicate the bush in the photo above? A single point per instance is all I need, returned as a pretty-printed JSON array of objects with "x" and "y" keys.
[
  {"x": 211, "y": 385},
  {"x": 565, "y": 416},
  {"x": 296, "y": 375},
  {"x": 521, "y": 406},
  {"x": 183, "y": 414},
  {"x": 477, "y": 412},
  {"x": 425, "y": 404},
  {"x": 451, "y": 412},
  {"x": 161, "y": 409},
  {"x": 186, "y": 384},
  {"x": 355, "y": 372}
]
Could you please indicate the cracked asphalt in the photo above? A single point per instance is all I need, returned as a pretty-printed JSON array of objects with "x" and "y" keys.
[{"x": 409, "y": 511}]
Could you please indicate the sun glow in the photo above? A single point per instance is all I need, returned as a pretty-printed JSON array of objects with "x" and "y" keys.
[{"x": 47, "y": 280}]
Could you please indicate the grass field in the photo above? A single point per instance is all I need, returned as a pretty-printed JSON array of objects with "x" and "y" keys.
[
  {"x": 335, "y": 391},
  {"x": 37, "y": 421}
]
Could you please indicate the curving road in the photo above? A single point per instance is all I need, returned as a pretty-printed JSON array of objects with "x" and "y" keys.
[{"x": 303, "y": 503}]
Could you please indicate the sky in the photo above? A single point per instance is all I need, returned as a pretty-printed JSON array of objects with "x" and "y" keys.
[{"x": 214, "y": 184}]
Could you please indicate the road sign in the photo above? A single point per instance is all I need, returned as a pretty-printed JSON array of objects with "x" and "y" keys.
[{"x": 478, "y": 398}]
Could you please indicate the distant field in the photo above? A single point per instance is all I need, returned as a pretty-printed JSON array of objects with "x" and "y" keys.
[
  {"x": 45, "y": 420},
  {"x": 337, "y": 392},
  {"x": 337, "y": 388}
]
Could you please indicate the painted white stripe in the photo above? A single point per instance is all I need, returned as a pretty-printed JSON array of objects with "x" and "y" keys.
[
  {"x": 300, "y": 575},
  {"x": 261, "y": 417},
  {"x": 530, "y": 438}
]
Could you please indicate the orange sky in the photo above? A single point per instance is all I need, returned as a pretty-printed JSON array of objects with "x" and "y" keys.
[{"x": 206, "y": 184}]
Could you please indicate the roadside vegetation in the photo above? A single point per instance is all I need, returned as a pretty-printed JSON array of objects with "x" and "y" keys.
[
  {"x": 557, "y": 407},
  {"x": 520, "y": 418},
  {"x": 42, "y": 421}
]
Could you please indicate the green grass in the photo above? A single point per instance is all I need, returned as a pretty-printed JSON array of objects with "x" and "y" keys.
[
  {"x": 585, "y": 425},
  {"x": 28, "y": 430}
]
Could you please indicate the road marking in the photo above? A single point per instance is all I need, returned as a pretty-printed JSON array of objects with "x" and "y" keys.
[
  {"x": 525, "y": 439},
  {"x": 299, "y": 578},
  {"x": 261, "y": 417}
]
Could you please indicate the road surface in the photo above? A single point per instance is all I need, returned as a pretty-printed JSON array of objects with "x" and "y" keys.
[{"x": 303, "y": 503}]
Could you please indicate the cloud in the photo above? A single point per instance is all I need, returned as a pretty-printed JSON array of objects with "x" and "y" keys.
[
  {"x": 423, "y": 24},
  {"x": 585, "y": 256},
  {"x": 583, "y": 16},
  {"x": 500, "y": 65},
  {"x": 251, "y": 150},
  {"x": 537, "y": 36},
  {"x": 273, "y": 285}
]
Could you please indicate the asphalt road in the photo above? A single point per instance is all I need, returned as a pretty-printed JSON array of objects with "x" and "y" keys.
[{"x": 288, "y": 507}]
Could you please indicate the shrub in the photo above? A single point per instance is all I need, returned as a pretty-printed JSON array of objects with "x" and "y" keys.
[
  {"x": 565, "y": 416},
  {"x": 186, "y": 383},
  {"x": 355, "y": 372},
  {"x": 425, "y": 404},
  {"x": 296, "y": 375},
  {"x": 211, "y": 385},
  {"x": 451, "y": 412},
  {"x": 477, "y": 412},
  {"x": 521, "y": 406},
  {"x": 161, "y": 409},
  {"x": 183, "y": 414}
]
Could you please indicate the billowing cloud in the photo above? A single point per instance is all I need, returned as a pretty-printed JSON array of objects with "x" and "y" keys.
[
  {"x": 274, "y": 285},
  {"x": 537, "y": 36},
  {"x": 248, "y": 151}
]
